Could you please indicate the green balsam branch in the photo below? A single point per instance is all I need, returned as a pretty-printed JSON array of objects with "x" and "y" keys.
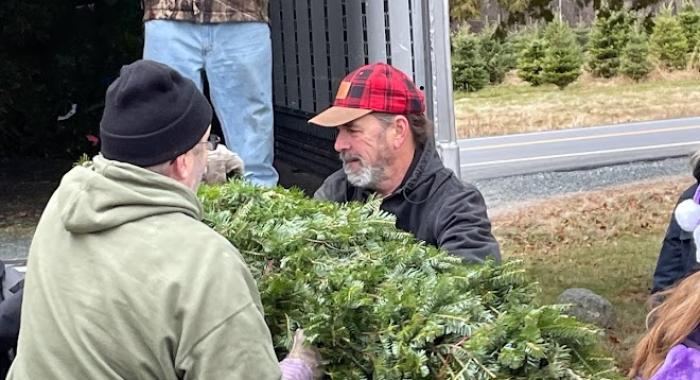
[{"x": 381, "y": 305}]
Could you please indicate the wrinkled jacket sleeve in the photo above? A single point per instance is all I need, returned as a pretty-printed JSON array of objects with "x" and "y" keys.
[
  {"x": 239, "y": 348},
  {"x": 225, "y": 335},
  {"x": 463, "y": 227},
  {"x": 677, "y": 247}
]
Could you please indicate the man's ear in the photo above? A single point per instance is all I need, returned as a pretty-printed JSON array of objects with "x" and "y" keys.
[
  {"x": 181, "y": 167},
  {"x": 401, "y": 131}
]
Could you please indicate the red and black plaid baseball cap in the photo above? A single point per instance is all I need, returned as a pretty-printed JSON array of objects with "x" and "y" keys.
[{"x": 372, "y": 88}]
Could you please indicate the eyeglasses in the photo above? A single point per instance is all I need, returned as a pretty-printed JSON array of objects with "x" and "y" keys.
[{"x": 213, "y": 142}]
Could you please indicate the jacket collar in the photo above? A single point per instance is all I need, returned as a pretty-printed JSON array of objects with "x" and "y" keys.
[{"x": 428, "y": 163}]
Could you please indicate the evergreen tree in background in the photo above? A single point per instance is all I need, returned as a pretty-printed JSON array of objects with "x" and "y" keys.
[
  {"x": 583, "y": 36},
  {"x": 694, "y": 59},
  {"x": 497, "y": 58},
  {"x": 468, "y": 67},
  {"x": 608, "y": 38},
  {"x": 635, "y": 56},
  {"x": 520, "y": 38},
  {"x": 463, "y": 10},
  {"x": 562, "y": 58},
  {"x": 58, "y": 57},
  {"x": 510, "y": 54},
  {"x": 689, "y": 17},
  {"x": 667, "y": 44},
  {"x": 530, "y": 61}
]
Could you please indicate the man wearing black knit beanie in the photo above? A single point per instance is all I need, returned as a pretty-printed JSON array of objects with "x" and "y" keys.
[{"x": 123, "y": 280}]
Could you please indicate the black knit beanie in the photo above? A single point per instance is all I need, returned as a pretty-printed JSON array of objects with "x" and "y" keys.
[{"x": 152, "y": 114}]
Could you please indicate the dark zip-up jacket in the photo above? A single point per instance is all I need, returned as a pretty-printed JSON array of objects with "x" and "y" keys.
[
  {"x": 677, "y": 256},
  {"x": 432, "y": 204},
  {"x": 125, "y": 282}
]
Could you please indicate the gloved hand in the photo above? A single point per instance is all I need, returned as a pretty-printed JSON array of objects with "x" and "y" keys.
[
  {"x": 220, "y": 162},
  {"x": 687, "y": 215},
  {"x": 303, "y": 361}
]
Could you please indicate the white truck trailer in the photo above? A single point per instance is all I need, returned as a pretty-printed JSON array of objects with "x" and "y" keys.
[{"x": 316, "y": 43}]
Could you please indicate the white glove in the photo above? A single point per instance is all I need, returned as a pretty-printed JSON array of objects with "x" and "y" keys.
[
  {"x": 688, "y": 218},
  {"x": 220, "y": 162},
  {"x": 688, "y": 215}
]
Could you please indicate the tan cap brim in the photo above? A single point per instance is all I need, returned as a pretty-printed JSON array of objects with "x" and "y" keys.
[{"x": 335, "y": 116}]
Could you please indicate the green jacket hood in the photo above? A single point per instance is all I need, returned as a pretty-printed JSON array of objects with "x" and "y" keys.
[{"x": 106, "y": 194}]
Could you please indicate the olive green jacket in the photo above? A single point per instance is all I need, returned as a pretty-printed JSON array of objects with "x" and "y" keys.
[{"x": 125, "y": 282}]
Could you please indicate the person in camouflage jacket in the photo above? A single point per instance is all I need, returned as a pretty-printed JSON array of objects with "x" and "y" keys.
[
  {"x": 229, "y": 41},
  {"x": 206, "y": 11}
]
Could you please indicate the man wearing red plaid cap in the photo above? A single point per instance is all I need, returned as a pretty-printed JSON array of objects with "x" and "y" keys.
[{"x": 386, "y": 146}]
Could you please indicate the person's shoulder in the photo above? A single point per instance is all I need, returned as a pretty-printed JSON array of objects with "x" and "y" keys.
[
  {"x": 336, "y": 178},
  {"x": 194, "y": 238},
  {"x": 689, "y": 192},
  {"x": 200, "y": 255},
  {"x": 334, "y": 187},
  {"x": 212, "y": 238},
  {"x": 681, "y": 362},
  {"x": 451, "y": 194},
  {"x": 454, "y": 185}
]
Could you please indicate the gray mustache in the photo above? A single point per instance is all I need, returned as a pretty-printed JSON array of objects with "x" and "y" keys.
[{"x": 345, "y": 157}]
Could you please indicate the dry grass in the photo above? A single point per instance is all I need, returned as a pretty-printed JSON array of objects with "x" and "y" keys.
[
  {"x": 516, "y": 107},
  {"x": 607, "y": 241}
]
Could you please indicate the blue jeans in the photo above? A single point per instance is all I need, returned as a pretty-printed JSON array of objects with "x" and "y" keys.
[{"x": 237, "y": 58}]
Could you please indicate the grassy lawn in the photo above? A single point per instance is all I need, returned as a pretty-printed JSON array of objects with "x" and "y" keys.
[
  {"x": 607, "y": 241},
  {"x": 516, "y": 106}
]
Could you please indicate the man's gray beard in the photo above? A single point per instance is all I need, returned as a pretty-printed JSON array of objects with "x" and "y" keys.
[{"x": 367, "y": 177}]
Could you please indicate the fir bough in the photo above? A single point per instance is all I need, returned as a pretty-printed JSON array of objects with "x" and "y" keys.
[{"x": 380, "y": 305}]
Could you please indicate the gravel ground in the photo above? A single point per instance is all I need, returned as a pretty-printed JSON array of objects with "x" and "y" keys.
[
  {"x": 501, "y": 192},
  {"x": 14, "y": 247}
]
